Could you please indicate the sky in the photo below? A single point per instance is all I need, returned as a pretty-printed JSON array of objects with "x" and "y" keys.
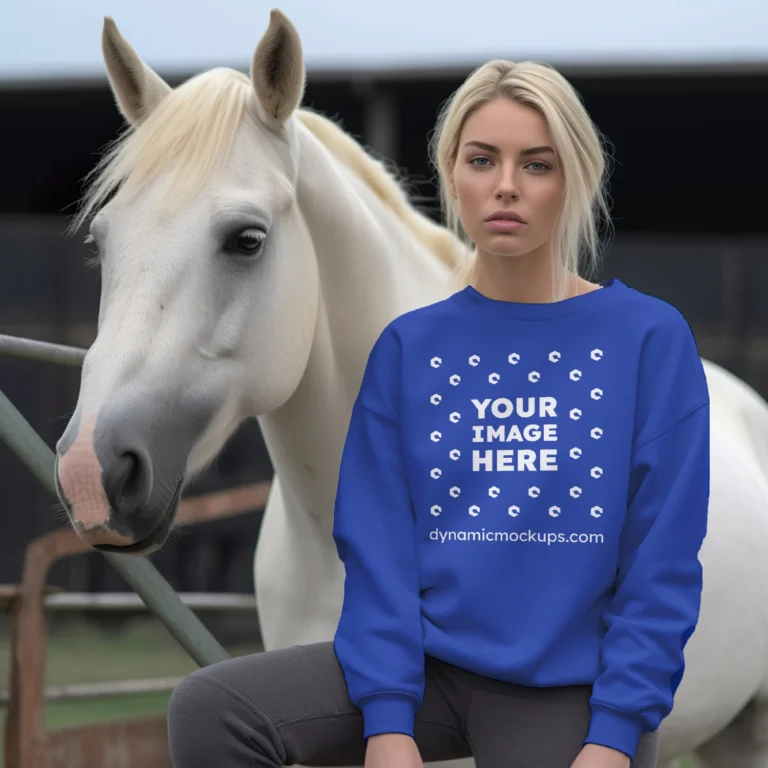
[{"x": 52, "y": 39}]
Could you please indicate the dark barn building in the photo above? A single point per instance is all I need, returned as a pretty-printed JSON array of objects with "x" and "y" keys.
[{"x": 689, "y": 205}]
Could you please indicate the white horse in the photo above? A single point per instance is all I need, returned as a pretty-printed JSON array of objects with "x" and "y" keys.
[{"x": 251, "y": 253}]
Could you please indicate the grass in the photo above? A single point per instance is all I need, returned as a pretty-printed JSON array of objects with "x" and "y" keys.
[
  {"x": 81, "y": 654},
  {"x": 66, "y": 714}
]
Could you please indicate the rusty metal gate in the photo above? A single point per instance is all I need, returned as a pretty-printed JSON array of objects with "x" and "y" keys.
[{"x": 119, "y": 745}]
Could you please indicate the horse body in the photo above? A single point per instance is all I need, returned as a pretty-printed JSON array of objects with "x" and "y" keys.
[
  {"x": 195, "y": 336},
  {"x": 720, "y": 708}
]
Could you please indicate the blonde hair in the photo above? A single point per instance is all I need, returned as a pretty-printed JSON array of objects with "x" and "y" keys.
[{"x": 576, "y": 240}]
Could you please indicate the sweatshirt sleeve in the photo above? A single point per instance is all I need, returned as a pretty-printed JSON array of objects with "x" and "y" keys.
[
  {"x": 656, "y": 602},
  {"x": 378, "y": 641}
]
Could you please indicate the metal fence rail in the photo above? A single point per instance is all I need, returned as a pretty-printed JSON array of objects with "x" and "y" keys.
[
  {"x": 111, "y": 689},
  {"x": 138, "y": 572},
  {"x": 41, "y": 350},
  {"x": 116, "y": 602}
]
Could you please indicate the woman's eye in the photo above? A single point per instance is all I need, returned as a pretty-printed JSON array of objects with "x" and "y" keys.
[
  {"x": 474, "y": 160},
  {"x": 247, "y": 242},
  {"x": 541, "y": 166}
]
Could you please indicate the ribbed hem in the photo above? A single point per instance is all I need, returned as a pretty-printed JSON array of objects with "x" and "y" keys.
[
  {"x": 388, "y": 713},
  {"x": 613, "y": 729}
]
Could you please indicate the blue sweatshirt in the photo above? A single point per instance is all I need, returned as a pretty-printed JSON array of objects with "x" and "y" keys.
[{"x": 523, "y": 494}]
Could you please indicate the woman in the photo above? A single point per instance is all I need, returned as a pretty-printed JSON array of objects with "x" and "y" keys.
[{"x": 521, "y": 500}]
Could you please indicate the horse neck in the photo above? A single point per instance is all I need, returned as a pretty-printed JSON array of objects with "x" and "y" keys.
[{"x": 371, "y": 270}]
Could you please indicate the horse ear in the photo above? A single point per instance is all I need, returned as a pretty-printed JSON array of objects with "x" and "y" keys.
[
  {"x": 277, "y": 69},
  {"x": 136, "y": 87}
]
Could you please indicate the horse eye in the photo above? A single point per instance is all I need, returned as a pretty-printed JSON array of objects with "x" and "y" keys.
[
  {"x": 91, "y": 240},
  {"x": 247, "y": 242}
]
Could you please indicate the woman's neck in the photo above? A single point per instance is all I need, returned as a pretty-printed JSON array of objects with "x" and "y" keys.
[{"x": 524, "y": 279}]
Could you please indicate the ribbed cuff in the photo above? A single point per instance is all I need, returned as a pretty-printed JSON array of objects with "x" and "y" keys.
[
  {"x": 388, "y": 713},
  {"x": 613, "y": 729}
]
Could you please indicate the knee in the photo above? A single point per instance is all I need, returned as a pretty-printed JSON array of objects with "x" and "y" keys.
[
  {"x": 189, "y": 702},
  {"x": 204, "y": 718}
]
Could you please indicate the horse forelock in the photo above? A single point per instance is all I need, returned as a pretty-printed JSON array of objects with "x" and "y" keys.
[{"x": 188, "y": 134}]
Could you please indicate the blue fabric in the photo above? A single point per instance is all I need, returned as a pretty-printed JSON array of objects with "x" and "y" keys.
[{"x": 523, "y": 493}]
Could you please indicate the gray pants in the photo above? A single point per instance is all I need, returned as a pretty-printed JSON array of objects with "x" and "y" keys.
[{"x": 291, "y": 706}]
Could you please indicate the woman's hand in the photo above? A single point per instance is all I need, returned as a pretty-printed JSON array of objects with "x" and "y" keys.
[
  {"x": 596, "y": 756},
  {"x": 393, "y": 750}
]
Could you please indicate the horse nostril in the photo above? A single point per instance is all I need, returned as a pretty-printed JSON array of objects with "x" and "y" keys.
[{"x": 128, "y": 482}]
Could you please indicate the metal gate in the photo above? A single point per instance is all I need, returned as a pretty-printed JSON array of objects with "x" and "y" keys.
[{"x": 150, "y": 586}]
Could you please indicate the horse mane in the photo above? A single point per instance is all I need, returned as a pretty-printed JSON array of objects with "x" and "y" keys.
[
  {"x": 194, "y": 126},
  {"x": 383, "y": 183}
]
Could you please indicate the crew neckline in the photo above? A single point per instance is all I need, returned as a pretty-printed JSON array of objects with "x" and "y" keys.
[{"x": 472, "y": 299}]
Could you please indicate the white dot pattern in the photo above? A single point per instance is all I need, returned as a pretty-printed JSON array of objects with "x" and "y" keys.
[{"x": 593, "y": 430}]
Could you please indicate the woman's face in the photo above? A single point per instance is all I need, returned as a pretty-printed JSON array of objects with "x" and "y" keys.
[{"x": 507, "y": 179}]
